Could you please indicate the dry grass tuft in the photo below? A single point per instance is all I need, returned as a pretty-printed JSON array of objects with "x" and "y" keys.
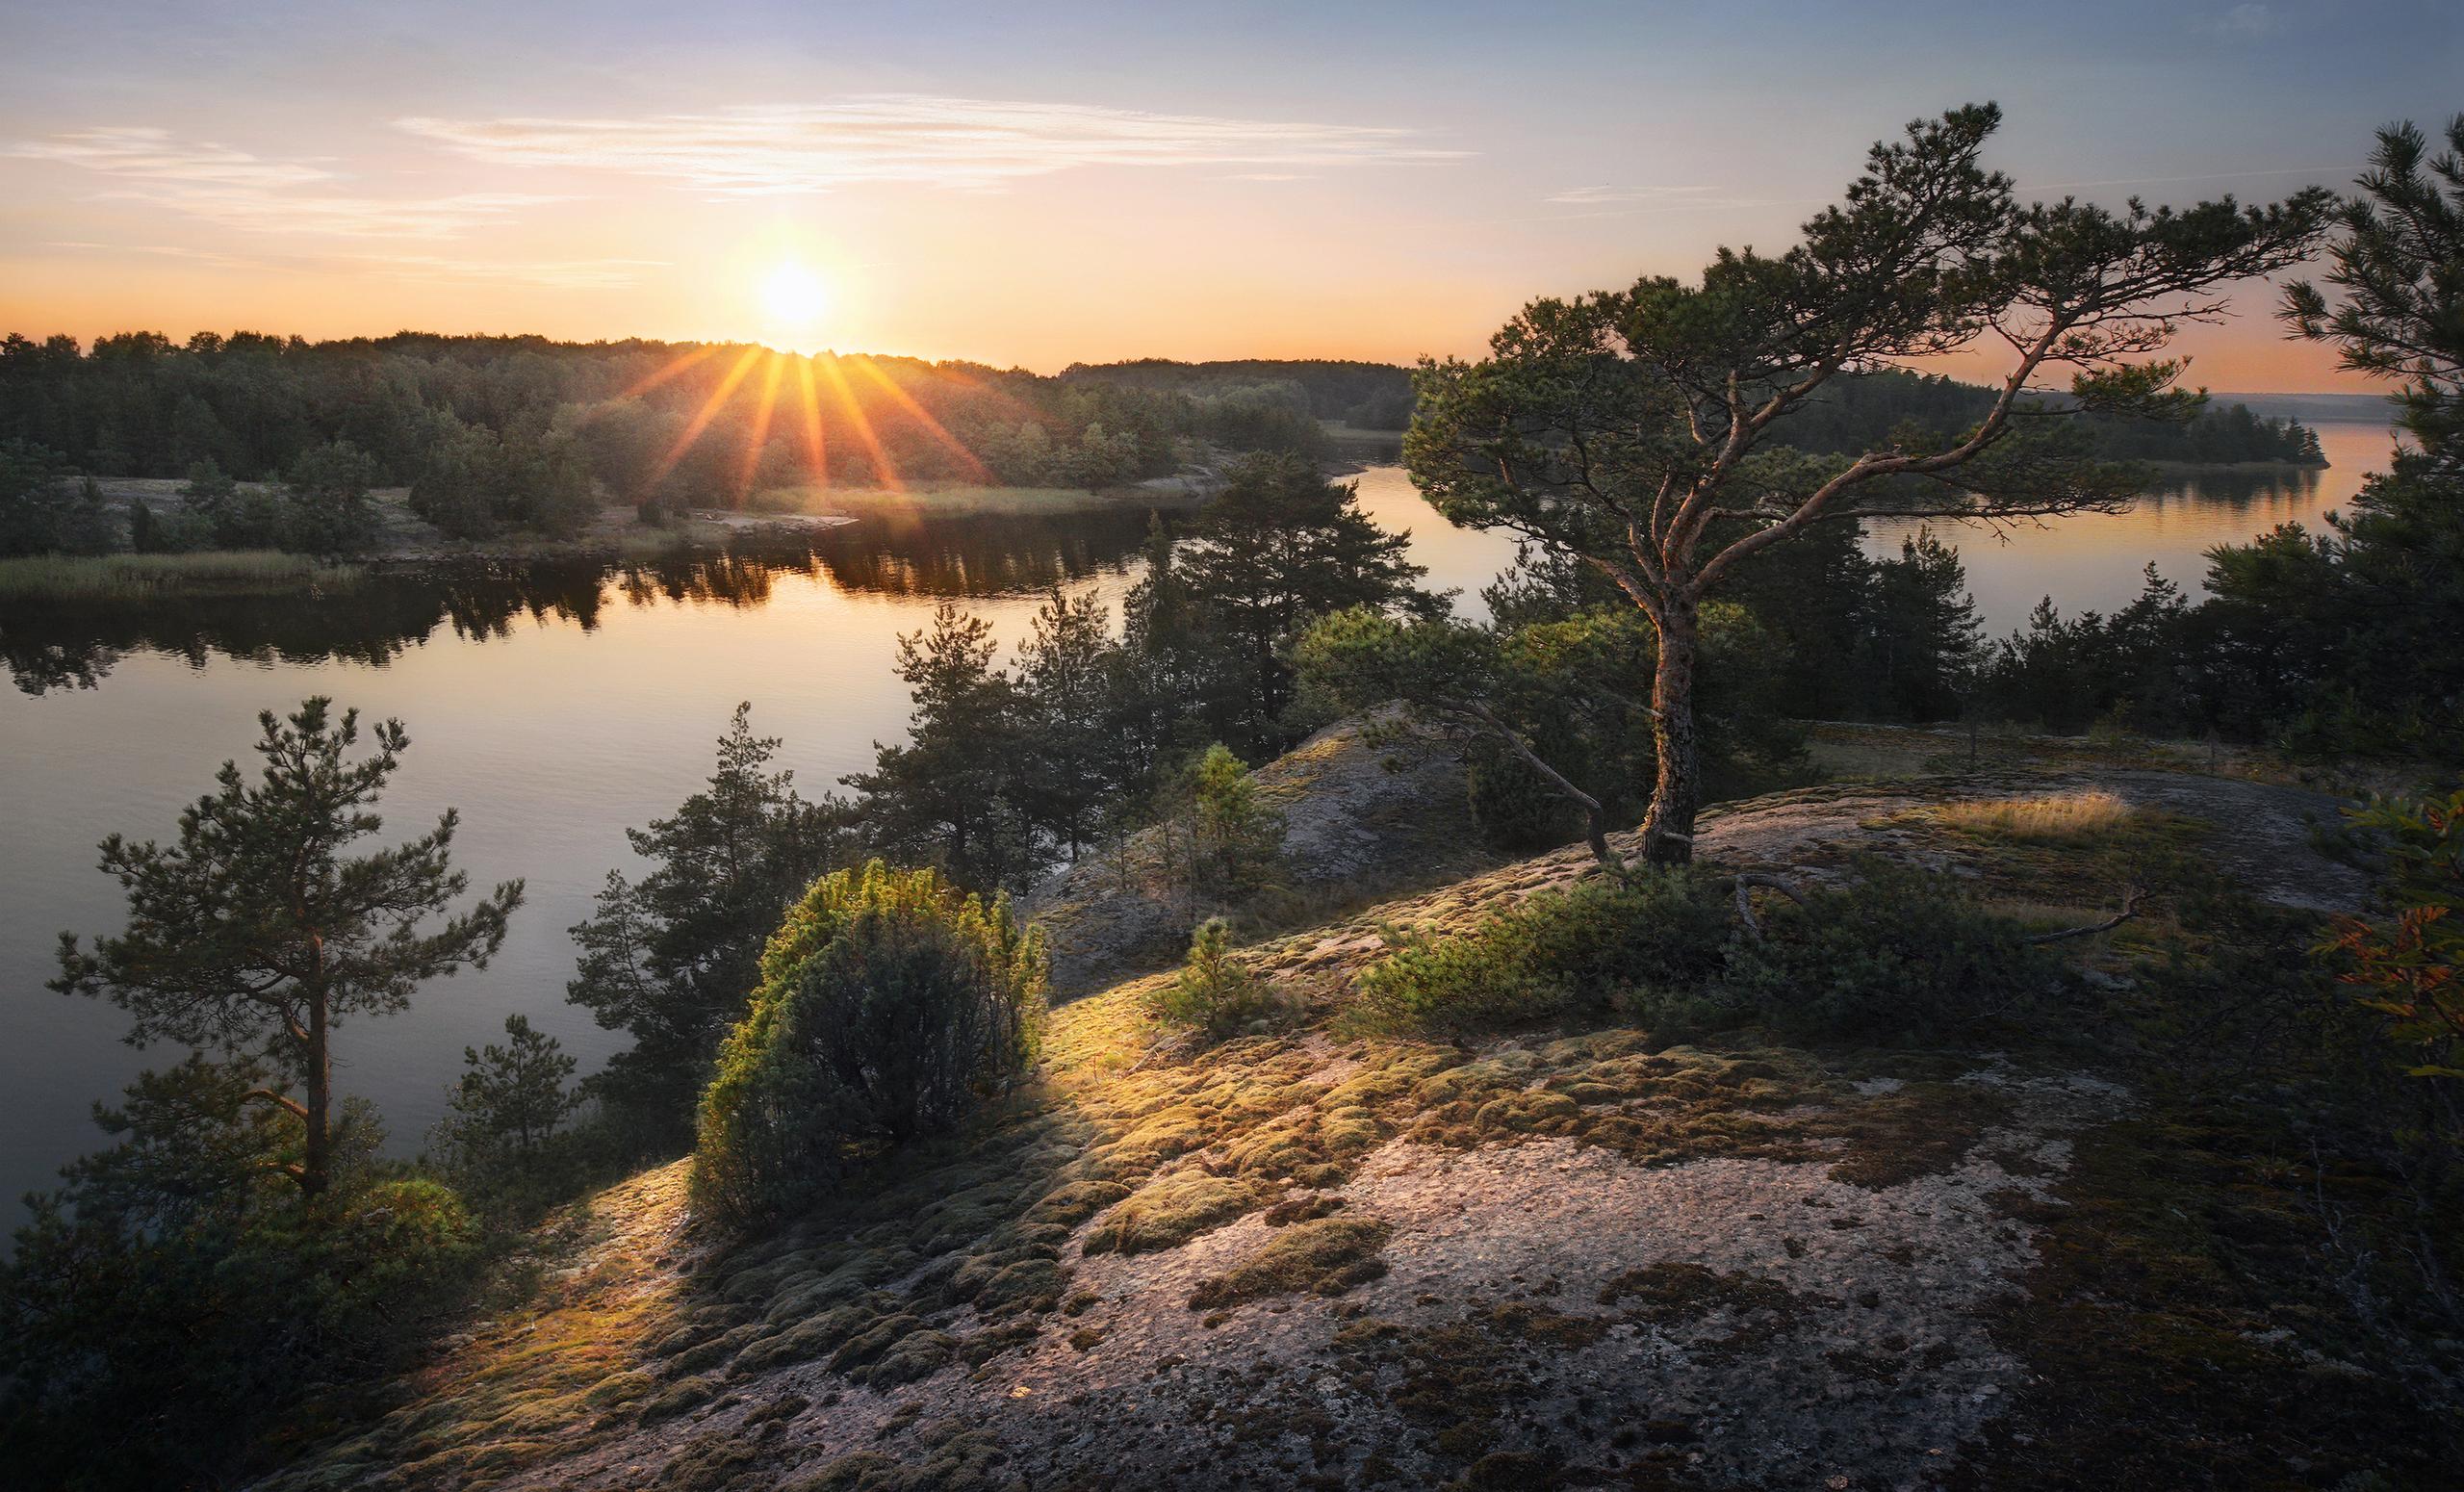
[{"x": 2063, "y": 816}]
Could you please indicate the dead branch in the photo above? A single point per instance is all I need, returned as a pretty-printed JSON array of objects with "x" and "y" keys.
[
  {"x": 1746, "y": 880},
  {"x": 2131, "y": 900}
]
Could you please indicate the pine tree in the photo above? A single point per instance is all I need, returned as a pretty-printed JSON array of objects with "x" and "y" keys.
[
  {"x": 1070, "y": 676},
  {"x": 1218, "y": 840},
  {"x": 510, "y": 1098},
  {"x": 143, "y": 536},
  {"x": 955, "y": 794},
  {"x": 1180, "y": 683},
  {"x": 253, "y": 933},
  {"x": 672, "y": 957},
  {"x": 1277, "y": 549},
  {"x": 1921, "y": 640},
  {"x": 1647, "y": 429}
]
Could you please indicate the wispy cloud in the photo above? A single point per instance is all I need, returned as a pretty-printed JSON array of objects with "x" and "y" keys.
[
  {"x": 1662, "y": 199},
  {"x": 237, "y": 190},
  {"x": 339, "y": 215},
  {"x": 160, "y": 252},
  {"x": 154, "y": 155},
  {"x": 547, "y": 275},
  {"x": 961, "y": 142},
  {"x": 2248, "y": 20}
]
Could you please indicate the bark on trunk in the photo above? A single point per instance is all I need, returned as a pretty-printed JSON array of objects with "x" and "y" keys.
[
  {"x": 1668, "y": 828},
  {"x": 319, "y": 1161}
]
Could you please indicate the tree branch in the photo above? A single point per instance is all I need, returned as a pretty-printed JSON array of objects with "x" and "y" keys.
[{"x": 2131, "y": 900}]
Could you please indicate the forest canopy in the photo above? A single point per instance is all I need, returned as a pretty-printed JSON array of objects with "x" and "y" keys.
[{"x": 705, "y": 425}]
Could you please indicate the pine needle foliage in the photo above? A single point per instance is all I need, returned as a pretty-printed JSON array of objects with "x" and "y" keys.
[{"x": 1215, "y": 992}]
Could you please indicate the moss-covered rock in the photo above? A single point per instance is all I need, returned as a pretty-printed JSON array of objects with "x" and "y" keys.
[
  {"x": 1327, "y": 1255},
  {"x": 1169, "y": 1212}
]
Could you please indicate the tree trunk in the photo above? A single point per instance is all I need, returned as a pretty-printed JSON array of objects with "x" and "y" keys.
[
  {"x": 316, "y": 1165},
  {"x": 1668, "y": 828}
]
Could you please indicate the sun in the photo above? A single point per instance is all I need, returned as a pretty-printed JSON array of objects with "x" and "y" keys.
[{"x": 794, "y": 297}]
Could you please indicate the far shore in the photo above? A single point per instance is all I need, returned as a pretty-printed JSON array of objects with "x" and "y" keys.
[
  {"x": 2196, "y": 468},
  {"x": 402, "y": 538}
]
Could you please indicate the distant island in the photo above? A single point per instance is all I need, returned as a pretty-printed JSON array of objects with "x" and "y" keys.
[{"x": 415, "y": 446}]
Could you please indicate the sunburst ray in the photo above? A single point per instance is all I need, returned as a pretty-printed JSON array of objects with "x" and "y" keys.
[
  {"x": 673, "y": 365},
  {"x": 709, "y": 412},
  {"x": 816, "y": 447},
  {"x": 906, "y": 401},
  {"x": 759, "y": 436},
  {"x": 884, "y": 469}
]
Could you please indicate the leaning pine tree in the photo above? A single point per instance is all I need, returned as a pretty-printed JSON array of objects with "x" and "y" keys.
[{"x": 1644, "y": 431}]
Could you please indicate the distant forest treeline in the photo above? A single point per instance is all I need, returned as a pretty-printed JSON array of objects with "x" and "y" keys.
[
  {"x": 701, "y": 424},
  {"x": 1853, "y": 413},
  {"x": 686, "y": 425},
  {"x": 1370, "y": 396}
]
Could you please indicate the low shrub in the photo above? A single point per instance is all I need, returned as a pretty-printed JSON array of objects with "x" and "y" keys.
[
  {"x": 1216, "y": 992},
  {"x": 2409, "y": 968},
  {"x": 1893, "y": 952},
  {"x": 1555, "y": 955},
  {"x": 889, "y": 1008},
  {"x": 1516, "y": 808}
]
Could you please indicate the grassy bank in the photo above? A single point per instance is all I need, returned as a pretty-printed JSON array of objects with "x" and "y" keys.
[{"x": 127, "y": 578}]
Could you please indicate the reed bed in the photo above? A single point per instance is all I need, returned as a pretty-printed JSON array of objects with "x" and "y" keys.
[{"x": 139, "y": 578}]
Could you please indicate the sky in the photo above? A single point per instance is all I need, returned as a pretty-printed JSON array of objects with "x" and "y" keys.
[{"x": 1074, "y": 180}]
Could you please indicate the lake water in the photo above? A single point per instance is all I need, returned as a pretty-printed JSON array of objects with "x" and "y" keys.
[
  {"x": 557, "y": 705},
  {"x": 2091, "y": 561}
]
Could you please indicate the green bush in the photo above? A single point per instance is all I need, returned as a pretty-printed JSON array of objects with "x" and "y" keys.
[
  {"x": 2409, "y": 968},
  {"x": 1216, "y": 992},
  {"x": 889, "y": 1008},
  {"x": 1555, "y": 955},
  {"x": 1893, "y": 954}
]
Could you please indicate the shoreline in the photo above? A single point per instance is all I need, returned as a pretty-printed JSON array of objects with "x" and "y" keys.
[{"x": 2264, "y": 468}]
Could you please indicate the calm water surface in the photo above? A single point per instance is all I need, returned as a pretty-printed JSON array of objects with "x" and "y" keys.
[
  {"x": 2091, "y": 561},
  {"x": 556, "y": 705},
  {"x": 553, "y": 705}
]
